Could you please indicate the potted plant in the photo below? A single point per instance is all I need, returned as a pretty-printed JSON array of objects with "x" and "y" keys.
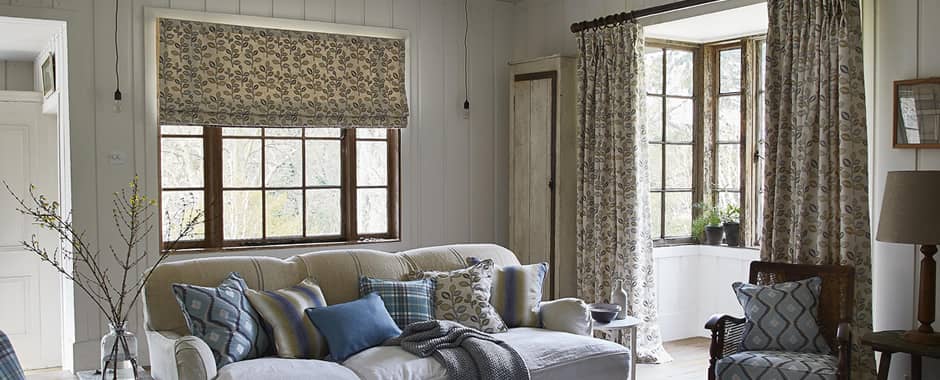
[
  {"x": 731, "y": 223},
  {"x": 708, "y": 224}
]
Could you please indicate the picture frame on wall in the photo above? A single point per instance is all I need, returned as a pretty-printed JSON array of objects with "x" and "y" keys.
[
  {"x": 917, "y": 113},
  {"x": 48, "y": 75}
]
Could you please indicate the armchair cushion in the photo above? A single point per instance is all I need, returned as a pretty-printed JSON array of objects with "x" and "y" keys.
[
  {"x": 782, "y": 316},
  {"x": 777, "y": 365}
]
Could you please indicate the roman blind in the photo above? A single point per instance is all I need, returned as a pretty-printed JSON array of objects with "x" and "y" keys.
[{"x": 231, "y": 75}]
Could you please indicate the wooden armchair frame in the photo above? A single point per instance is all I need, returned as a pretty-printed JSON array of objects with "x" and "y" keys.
[{"x": 836, "y": 307}]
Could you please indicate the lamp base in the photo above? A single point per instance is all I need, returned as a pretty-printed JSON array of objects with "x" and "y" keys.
[{"x": 920, "y": 337}]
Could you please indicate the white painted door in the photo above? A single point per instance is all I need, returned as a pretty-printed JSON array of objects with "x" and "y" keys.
[{"x": 30, "y": 290}]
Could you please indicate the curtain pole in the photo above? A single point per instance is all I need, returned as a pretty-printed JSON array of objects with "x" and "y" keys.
[{"x": 625, "y": 16}]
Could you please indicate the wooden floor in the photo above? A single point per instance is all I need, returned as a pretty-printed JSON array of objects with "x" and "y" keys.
[{"x": 690, "y": 362}]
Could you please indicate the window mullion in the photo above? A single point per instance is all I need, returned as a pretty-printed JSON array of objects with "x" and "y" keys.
[
  {"x": 350, "y": 230},
  {"x": 212, "y": 143}
]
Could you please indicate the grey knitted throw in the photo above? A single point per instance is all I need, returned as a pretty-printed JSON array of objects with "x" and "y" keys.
[{"x": 465, "y": 353}]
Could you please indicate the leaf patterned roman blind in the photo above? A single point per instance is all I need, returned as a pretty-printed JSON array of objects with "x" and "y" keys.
[{"x": 232, "y": 75}]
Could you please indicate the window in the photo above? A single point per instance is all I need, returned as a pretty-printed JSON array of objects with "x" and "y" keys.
[
  {"x": 670, "y": 112},
  {"x": 757, "y": 220},
  {"x": 728, "y": 134},
  {"x": 276, "y": 186}
]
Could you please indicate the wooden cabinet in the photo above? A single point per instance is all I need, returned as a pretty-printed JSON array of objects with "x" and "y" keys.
[{"x": 542, "y": 168}]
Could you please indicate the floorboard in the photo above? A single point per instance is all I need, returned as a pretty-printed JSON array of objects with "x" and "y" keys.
[{"x": 690, "y": 362}]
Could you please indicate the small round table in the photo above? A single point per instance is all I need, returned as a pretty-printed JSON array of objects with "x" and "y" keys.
[{"x": 618, "y": 326}]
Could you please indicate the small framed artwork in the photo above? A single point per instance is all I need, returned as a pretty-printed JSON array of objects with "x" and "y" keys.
[
  {"x": 917, "y": 113},
  {"x": 48, "y": 75}
]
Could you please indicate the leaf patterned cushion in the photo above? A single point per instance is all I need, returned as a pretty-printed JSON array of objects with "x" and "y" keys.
[
  {"x": 753, "y": 365},
  {"x": 781, "y": 317},
  {"x": 463, "y": 296},
  {"x": 224, "y": 319}
]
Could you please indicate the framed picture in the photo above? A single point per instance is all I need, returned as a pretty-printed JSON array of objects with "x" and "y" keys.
[
  {"x": 917, "y": 113},
  {"x": 48, "y": 75}
]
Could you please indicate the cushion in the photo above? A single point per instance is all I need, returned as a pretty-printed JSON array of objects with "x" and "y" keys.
[
  {"x": 406, "y": 301},
  {"x": 570, "y": 315},
  {"x": 285, "y": 369},
  {"x": 224, "y": 319},
  {"x": 781, "y": 317},
  {"x": 9, "y": 365},
  {"x": 517, "y": 292},
  {"x": 463, "y": 296},
  {"x": 283, "y": 310},
  {"x": 354, "y": 326},
  {"x": 777, "y": 365}
]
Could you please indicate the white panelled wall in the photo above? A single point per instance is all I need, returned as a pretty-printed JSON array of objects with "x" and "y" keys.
[{"x": 16, "y": 76}]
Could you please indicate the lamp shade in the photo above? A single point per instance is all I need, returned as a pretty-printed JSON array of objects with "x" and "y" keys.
[{"x": 910, "y": 210}]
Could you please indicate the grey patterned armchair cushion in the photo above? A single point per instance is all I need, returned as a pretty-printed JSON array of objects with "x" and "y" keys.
[
  {"x": 777, "y": 365},
  {"x": 781, "y": 317}
]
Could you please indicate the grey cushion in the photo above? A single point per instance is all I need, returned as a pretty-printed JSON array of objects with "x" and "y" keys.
[
  {"x": 781, "y": 317},
  {"x": 777, "y": 365}
]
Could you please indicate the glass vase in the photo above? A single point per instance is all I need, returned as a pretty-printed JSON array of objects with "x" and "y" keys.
[{"x": 118, "y": 353}]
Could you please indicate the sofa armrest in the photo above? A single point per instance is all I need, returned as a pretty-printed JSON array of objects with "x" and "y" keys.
[
  {"x": 569, "y": 315},
  {"x": 175, "y": 357}
]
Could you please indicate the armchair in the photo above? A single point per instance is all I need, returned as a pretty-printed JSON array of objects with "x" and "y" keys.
[{"x": 836, "y": 305}]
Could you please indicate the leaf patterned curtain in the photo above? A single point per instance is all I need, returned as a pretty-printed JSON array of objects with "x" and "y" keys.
[
  {"x": 232, "y": 75},
  {"x": 816, "y": 177},
  {"x": 613, "y": 229}
]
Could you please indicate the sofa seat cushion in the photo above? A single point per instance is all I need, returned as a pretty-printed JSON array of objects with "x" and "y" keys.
[
  {"x": 548, "y": 354},
  {"x": 285, "y": 369},
  {"x": 777, "y": 365}
]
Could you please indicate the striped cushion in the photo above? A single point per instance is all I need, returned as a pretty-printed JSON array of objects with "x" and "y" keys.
[
  {"x": 223, "y": 318},
  {"x": 294, "y": 335},
  {"x": 517, "y": 292},
  {"x": 406, "y": 301}
]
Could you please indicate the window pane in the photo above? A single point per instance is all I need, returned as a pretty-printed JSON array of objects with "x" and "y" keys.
[
  {"x": 729, "y": 118},
  {"x": 654, "y": 118},
  {"x": 654, "y": 70},
  {"x": 324, "y": 215},
  {"x": 181, "y": 130},
  {"x": 726, "y": 198},
  {"x": 679, "y": 120},
  {"x": 241, "y": 211},
  {"x": 239, "y": 131},
  {"x": 656, "y": 215},
  {"x": 678, "y": 216},
  {"x": 729, "y": 166},
  {"x": 178, "y": 207},
  {"x": 372, "y": 211},
  {"x": 283, "y": 210},
  {"x": 322, "y": 132},
  {"x": 324, "y": 166},
  {"x": 181, "y": 162},
  {"x": 283, "y": 132},
  {"x": 656, "y": 166},
  {"x": 678, "y": 166},
  {"x": 679, "y": 72},
  {"x": 241, "y": 163},
  {"x": 730, "y": 70},
  {"x": 283, "y": 162},
  {"x": 370, "y": 133},
  {"x": 371, "y": 163}
]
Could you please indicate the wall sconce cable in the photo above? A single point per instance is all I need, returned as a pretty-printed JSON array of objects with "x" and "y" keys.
[
  {"x": 117, "y": 73},
  {"x": 466, "y": 56}
]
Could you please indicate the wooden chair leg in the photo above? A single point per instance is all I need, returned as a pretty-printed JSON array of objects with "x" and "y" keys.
[
  {"x": 885, "y": 367},
  {"x": 916, "y": 369}
]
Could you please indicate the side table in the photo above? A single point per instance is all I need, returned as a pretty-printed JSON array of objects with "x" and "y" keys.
[
  {"x": 92, "y": 375},
  {"x": 891, "y": 342},
  {"x": 618, "y": 326}
]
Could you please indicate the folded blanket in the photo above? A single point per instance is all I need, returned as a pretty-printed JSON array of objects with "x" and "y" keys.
[{"x": 465, "y": 353}]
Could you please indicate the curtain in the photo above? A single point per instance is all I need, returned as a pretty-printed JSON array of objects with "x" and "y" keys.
[
  {"x": 233, "y": 75},
  {"x": 613, "y": 229},
  {"x": 816, "y": 176}
]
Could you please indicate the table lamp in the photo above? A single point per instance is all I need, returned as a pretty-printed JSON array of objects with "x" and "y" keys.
[{"x": 910, "y": 214}]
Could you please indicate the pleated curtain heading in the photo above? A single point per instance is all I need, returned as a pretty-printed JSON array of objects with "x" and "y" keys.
[{"x": 231, "y": 75}]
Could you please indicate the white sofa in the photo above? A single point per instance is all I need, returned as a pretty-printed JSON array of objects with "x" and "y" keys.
[{"x": 175, "y": 355}]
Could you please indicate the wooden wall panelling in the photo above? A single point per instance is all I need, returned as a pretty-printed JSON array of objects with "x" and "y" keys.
[
  {"x": 378, "y": 13},
  {"x": 350, "y": 12},
  {"x": 456, "y": 128},
  {"x": 431, "y": 119},
  {"x": 289, "y": 9},
  {"x": 222, "y": 6},
  {"x": 263, "y": 8},
  {"x": 320, "y": 10},
  {"x": 482, "y": 127}
]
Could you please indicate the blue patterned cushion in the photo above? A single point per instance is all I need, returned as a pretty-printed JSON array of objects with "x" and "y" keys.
[
  {"x": 9, "y": 365},
  {"x": 517, "y": 292},
  {"x": 781, "y": 317},
  {"x": 407, "y": 301},
  {"x": 778, "y": 365},
  {"x": 224, "y": 319}
]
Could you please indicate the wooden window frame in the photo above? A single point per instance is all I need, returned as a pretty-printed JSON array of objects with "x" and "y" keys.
[{"x": 213, "y": 193}]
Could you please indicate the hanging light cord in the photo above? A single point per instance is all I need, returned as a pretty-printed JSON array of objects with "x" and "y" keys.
[
  {"x": 466, "y": 55},
  {"x": 117, "y": 72}
]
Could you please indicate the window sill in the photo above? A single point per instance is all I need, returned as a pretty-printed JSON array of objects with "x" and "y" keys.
[{"x": 275, "y": 247}]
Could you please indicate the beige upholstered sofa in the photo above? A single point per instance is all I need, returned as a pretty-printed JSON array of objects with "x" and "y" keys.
[{"x": 175, "y": 355}]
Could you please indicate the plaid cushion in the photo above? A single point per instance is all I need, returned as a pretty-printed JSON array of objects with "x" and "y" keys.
[
  {"x": 9, "y": 364},
  {"x": 407, "y": 301}
]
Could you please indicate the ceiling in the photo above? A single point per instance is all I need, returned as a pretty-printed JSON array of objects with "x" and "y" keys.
[
  {"x": 22, "y": 39},
  {"x": 717, "y": 26}
]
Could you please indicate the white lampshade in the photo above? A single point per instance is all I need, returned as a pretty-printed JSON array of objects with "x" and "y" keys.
[{"x": 910, "y": 211}]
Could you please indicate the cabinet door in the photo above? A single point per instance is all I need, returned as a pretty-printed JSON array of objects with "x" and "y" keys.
[{"x": 531, "y": 167}]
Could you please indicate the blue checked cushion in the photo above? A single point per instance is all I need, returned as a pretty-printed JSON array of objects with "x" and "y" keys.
[
  {"x": 781, "y": 317},
  {"x": 517, "y": 292},
  {"x": 777, "y": 365},
  {"x": 9, "y": 365},
  {"x": 224, "y": 319},
  {"x": 406, "y": 301}
]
